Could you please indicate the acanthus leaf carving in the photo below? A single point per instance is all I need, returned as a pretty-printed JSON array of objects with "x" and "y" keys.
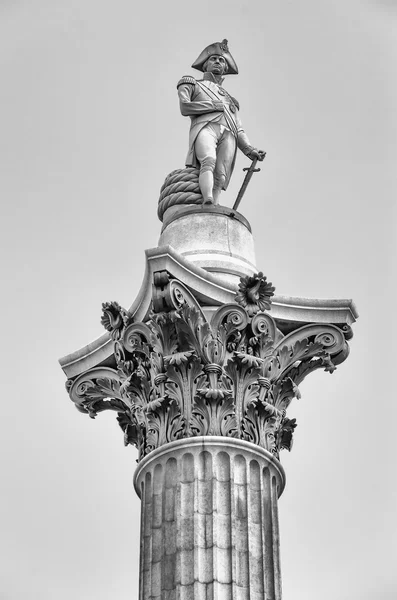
[
  {"x": 96, "y": 390},
  {"x": 138, "y": 390},
  {"x": 178, "y": 358},
  {"x": 134, "y": 433},
  {"x": 261, "y": 425},
  {"x": 165, "y": 423},
  {"x": 284, "y": 438},
  {"x": 281, "y": 394},
  {"x": 193, "y": 331},
  {"x": 243, "y": 372},
  {"x": 164, "y": 338},
  {"x": 183, "y": 380},
  {"x": 214, "y": 415},
  {"x": 285, "y": 356}
]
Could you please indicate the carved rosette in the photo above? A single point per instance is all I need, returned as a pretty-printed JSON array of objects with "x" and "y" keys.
[{"x": 179, "y": 375}]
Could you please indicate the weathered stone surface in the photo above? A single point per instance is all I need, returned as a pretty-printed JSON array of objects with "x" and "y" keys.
[
  {"x": 180, "y": 375},
  {"x": 235, "y": 561},
  {"x": 201, "y": 379},
  {"x": 210, "y": 239}
]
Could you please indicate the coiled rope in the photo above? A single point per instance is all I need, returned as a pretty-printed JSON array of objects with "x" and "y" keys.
[{"x": 180, "y": 187}]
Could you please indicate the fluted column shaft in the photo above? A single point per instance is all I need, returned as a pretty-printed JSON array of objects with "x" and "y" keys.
[{"x": 209, "y": 522}]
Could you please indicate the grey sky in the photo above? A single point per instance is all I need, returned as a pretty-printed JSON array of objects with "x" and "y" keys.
[{"x": 90, "y": 127}]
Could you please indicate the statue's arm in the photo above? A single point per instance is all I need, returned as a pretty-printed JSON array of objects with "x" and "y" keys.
[
  {"x": 190, "y": 107},
  {"x": 243, "y": 142},
  {"x": 245, "y": 145}
]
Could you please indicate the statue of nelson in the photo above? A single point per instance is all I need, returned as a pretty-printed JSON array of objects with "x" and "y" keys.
[{"x": 216, "y": 131}]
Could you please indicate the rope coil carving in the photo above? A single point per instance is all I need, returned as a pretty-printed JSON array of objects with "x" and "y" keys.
[{"x": 180, "y": 187}]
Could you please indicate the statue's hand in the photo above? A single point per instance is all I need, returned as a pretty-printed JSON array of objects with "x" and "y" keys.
[
  {"x": 255, "y": 153},
  {"x": 218, "y": 106}
]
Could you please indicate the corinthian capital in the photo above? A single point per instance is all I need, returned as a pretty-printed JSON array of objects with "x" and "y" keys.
[{"x": 181, "y": 375}]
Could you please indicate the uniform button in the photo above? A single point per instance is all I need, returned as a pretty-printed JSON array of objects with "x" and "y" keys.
[
  {"x": 221, "y": 91},
  {"x": 232, "y": 108}
]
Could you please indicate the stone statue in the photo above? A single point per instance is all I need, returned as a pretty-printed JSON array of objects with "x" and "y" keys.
[
  {"x": 216, "y": 130},
  {"x": 201, "y": 376}
]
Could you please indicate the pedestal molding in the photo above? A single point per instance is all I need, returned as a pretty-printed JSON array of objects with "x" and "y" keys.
[{"x": 203, "y": 442}]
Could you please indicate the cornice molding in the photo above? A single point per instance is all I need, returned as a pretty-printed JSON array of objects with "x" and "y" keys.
[{"x": 289, "y": 312}]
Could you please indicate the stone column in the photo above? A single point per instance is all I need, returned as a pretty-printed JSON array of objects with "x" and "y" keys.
[
  {"x": 202, "y": 388},
  {"x": 209, "y": 524}
]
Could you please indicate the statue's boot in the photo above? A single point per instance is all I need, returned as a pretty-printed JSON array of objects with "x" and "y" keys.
[
  {"x": 216, "y": 192},
  {"x": 206, "y": 183}
]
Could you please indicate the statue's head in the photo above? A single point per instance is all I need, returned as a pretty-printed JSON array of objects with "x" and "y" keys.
[
  {"x": 214, "y": 57},
  {"x": 216, "y": 64}
]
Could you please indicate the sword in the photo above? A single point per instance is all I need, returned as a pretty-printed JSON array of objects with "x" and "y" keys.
[{"x": 250, "y": 171}]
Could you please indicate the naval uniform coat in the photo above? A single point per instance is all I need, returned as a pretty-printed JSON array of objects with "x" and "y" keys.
[{"x": 198, "y": 100}]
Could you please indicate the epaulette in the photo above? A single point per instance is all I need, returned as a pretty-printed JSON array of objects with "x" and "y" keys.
[
  {"x": 236, "y": 102},
  {"x": 186, "y": 79}
]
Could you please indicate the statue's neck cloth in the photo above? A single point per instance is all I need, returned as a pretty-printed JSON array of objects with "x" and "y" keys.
[{"x": 214, "y": 78}]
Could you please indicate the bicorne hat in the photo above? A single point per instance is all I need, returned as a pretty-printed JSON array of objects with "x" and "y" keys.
[{"x": 221, "y": 49}]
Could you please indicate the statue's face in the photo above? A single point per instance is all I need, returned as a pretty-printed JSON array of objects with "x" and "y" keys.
[{"x": 216, "y": 64}]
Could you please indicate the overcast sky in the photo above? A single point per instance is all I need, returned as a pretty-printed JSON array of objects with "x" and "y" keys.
[{"x": 89, "y": 128}]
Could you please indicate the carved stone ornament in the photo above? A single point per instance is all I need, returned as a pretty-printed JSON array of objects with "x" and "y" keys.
[
  {"x": 255, "y": 293},
  {"x": 114, "y": 318},
  {"x": 179, "y": 375}
]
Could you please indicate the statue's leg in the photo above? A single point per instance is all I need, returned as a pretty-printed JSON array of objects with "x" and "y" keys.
[
  {"x": 205, "y": 148},
  {"x": 224, "y": 162}
]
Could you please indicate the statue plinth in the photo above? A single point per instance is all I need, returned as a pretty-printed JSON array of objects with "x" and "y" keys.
[
  {"x": 214, "y": 238},
  {"x": 201, "y": 372},
  {"x": 209, "y": 520}
]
